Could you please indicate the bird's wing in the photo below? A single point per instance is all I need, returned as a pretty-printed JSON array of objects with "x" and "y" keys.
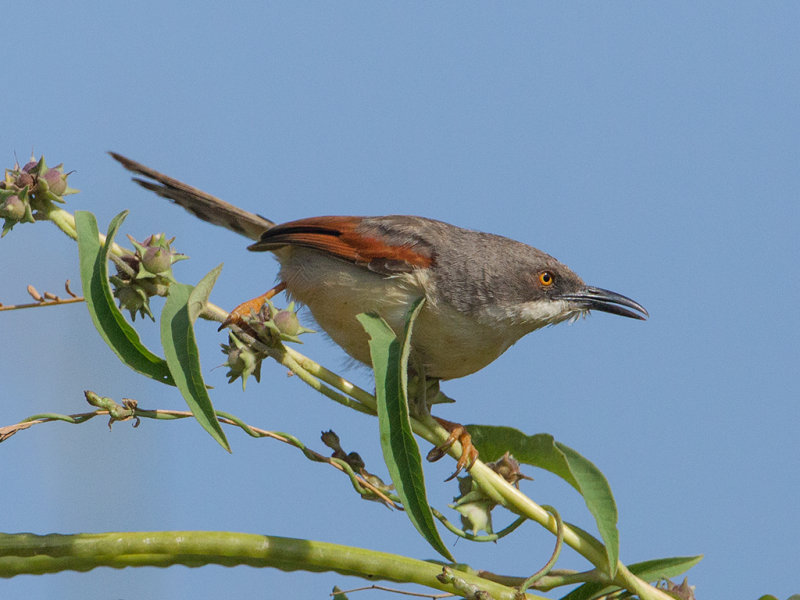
[
  {"x": 200, "y": 204},
  {"x": 349, "y": 238}
]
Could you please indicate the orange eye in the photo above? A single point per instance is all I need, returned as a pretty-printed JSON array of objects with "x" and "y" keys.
[{"x": 546, "y": 278}]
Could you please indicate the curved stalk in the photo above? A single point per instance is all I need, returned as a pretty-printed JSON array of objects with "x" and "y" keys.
[{"x": 27, "y": 553}]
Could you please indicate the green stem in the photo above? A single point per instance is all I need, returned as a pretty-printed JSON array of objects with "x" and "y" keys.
[
  {"x": 65, "y": 221},
  {"x": 553, "y": 558},
  {"x": 554, "y": 579},
  {"x": 287, "y": 360},
  {"x": 332, "y": 379},
  {"x": 30, "y": 554}
]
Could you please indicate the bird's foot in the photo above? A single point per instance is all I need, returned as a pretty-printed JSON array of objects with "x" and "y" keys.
[
  {"x": 458, "y": 433},
  {"x": 245, "y": 309}
]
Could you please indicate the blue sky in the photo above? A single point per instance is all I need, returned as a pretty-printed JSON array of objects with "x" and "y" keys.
[{"x": 652, "y": 147}]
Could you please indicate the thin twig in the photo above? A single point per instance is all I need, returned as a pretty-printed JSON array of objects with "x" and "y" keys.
[
  {"x": 46, "y": 299},
  {"x": 553, "y": 558},
  {"x": 130, "y": 411},
  {"x": 493, "y": 537},
  {"x": 56, "y": 302}
]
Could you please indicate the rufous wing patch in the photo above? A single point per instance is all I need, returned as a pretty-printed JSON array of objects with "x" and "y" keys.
[{"x": 339, "y": 236}]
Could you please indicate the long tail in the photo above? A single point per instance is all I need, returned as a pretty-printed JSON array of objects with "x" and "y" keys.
[{"x": 203, "y": 206}]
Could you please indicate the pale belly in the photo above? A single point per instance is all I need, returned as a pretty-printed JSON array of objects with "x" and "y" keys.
[{"x": 448, "y": 343}]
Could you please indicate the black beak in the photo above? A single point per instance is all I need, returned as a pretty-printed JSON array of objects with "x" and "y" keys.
[{"x": 592, "y": 298}]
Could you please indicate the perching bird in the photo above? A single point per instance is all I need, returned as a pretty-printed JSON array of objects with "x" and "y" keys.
[{"x": 482, "y": 292}]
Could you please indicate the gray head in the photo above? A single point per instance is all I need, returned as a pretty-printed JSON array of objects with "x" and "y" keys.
[{"x": 499, "y": 278}]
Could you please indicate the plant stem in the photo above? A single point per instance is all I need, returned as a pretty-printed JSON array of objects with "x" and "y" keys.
[
  {"x": 27, "y": 553},
  {"x": 65, "y": 221}
]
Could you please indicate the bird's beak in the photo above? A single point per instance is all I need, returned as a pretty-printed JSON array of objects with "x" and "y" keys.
[{"x": 592, "y": 298}]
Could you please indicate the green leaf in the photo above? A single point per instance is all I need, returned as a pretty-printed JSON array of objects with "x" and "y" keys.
[
  {"x": 400, "y": 450},
  {"x": 183, "y": 305},
  {"x": 649, "y": 570},
  {"x": 543, "y": 451},
  {"x": 107, "y": 318}
]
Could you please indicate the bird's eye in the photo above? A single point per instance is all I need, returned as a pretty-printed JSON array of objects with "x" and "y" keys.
[{"x": 546, "y": 278}]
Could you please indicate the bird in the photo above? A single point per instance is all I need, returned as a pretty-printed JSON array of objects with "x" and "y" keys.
[{"x": 482, "y": 292}]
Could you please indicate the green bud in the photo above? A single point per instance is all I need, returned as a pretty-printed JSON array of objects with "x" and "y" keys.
[
  {"x": 56, "y": 181},
  {"x": 156, "y": 253},
  {"x": 242, "y": 361},
  {"x": 157, "y": 259},
  {"x": 12, "y": 208},
  {"x": 476, "y": 516},
  {"x": 133, "y": 299},
  {"x": 287, "y": 322},
  {"x": 156, "y": 286}
]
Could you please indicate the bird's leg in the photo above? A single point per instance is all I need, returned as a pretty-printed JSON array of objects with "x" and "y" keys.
[
  {"x": 238, "y": 314},
  {"x": 418, "y": 394},
  {"x": 458, "y": 433},
  {"x": 425, "y": 393}
]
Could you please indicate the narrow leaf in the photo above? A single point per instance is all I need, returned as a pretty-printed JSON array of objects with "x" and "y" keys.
[
  {"x": 183, "y": 305},
  {"x": 107, "y": 318},
  {"x": 400, "y": 450},
  {"x": 543, "y": 451},
  {"x": 600, "y": 501},
  {"x": 649, "y": 570}
]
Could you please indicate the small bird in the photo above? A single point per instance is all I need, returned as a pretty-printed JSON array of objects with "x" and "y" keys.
[{"x": 482, "y": 292}]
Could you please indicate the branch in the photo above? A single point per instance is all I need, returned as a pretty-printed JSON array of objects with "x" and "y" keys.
[
  {"x": 46, "y": 299},
  {"x": 129, "y": 410},
  {"x": 30, "y": 554}
]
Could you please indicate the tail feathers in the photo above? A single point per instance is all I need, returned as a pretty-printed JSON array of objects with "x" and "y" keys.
[{"x": 202, "y": 205}]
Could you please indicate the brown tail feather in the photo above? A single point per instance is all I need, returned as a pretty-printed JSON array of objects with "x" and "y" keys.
[{"x": 202, "y": 205}]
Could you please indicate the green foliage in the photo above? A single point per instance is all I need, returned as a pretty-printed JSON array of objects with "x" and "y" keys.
[
  {"x": 400, "y": 450},
  {"x": 120, "y": 336},
  {"x": 649, "y": 570},
  {"x": 181, "y": 310},
  {"x": 543, "y": 451}
]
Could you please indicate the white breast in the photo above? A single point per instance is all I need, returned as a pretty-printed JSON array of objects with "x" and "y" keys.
[
  {"x": 335, "y": 291},
  {"x": 449, "y": 343}
]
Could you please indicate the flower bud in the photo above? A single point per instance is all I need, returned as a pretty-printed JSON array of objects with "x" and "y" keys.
[
  {"x": 508, "y": 468},
  {"x": 155, "y": 286},
  {"x": 56, "y": 181},
  {"x": 242, "y": 361},
  {"x": 156, "y": 254},
  {"x": 12, "y": 208},
  {"x": 287, "y": 322},
  {"x": 157, "y": 259},
  {"x": 133, "y": 299},
  {"x": 331, "y": 440},
  {"x": 24, "y": 179}
]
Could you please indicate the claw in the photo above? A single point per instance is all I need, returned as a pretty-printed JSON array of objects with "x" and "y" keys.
[
  {"x": 237, "y": 315},
  {"x": 458, "y": 433}
]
